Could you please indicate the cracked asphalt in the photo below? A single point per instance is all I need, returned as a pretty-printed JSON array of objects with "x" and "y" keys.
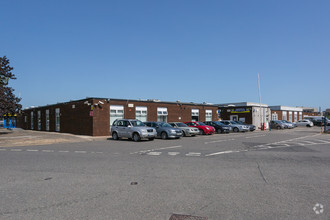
[{"x": 255, "y": 175}]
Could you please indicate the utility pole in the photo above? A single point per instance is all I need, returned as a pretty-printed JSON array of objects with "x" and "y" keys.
[{"x": 260, "y": 114}]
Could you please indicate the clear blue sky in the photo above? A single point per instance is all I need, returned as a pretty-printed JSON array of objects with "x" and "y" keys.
[{"x": 170, "y": 50}]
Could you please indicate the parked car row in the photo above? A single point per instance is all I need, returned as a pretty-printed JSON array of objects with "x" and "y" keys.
[
  {"x": 137, "y": 130},
  {"x": 284, "y": 124}
]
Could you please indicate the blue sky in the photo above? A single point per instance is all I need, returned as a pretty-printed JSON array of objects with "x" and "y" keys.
[{"x": 188, "y": 50}]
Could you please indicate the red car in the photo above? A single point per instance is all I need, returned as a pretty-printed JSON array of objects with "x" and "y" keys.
[{"x": 203, "y": 128}]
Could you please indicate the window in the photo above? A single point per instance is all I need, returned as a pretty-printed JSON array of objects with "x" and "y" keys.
[
  {"x": 39, "y": 120},
  {"x": 284, "y": 116},
  {"x": 274, "y": 116},
  {"x": 116, "y": 112},
  {"x": 47, "y": 120},
  {"x": 141, "y": 113},
  {"x": 31, "y": 120},
  {"x": 57, "y": 119},
  {"x": 208, "y": 115},
  {"x": 162, "y": 114},
  {"x": 300, "y": 116},
  {"x": 195, "y": 114},
  {"x": 295, "y": 116},
  {"x": 290, "y": 116}
]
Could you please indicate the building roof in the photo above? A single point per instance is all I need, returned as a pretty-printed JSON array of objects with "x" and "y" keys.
[
  {"x": 240, "y": 104},
  {"x": 127, "y": 100},
  {"x": 285, "y": 108}
]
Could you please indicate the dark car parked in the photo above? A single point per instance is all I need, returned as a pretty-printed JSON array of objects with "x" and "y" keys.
[
  {"x": 219, "y": 127},
  {"x": 164, "y": 130},
  {"x": 277, "y": 124}
]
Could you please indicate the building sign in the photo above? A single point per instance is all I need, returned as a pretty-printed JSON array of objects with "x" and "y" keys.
[{"x": 239, "y": 110}]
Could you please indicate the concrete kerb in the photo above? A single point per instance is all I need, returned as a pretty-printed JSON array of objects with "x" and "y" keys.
[{"x": 20, "y": 137}]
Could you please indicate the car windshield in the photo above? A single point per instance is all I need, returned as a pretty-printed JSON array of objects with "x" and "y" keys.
[
  {"x": 219, "y": 123},
  {"x": 234, "y": 122},
  {"x": 278, "y": 122},
  {"x": 200, "y": 123},
  {"x": 239, "y": 122},
  {"x": 225, "y": 122},
  {"x": 137, "y": 123},
  {"x": 182, "y": 125},
  {"x": 285, "y": 121},
  {"x": 165, "y": 125}
]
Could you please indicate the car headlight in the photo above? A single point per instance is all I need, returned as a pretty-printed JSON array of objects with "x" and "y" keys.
[
  {"x": 173, "y": 131},
  {"x": 191, "y": 129},
  {"x": 207, "y": 128},
  {"x": 143, "y": 130}
]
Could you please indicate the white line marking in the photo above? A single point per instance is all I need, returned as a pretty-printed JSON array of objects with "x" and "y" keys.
[
  {"x": 256, "y": 136},
  {"x": 163, "y": 148},
  {"x": 222, "y": 152},
  {"x": 224, "y": 140},
  {"x": 82, "y": 152},
  {"x": 323, "y": 141},
  {"x": 173, "y": 153},
  {"x": 32, "y": 150},
  {"x": 16, "y": 150},
  {"x": 3, "y": 149},
  {"x": 48, "y": 151},
  {"x": 63, "y": 151},
  {"x": 193, "y": 154},
  {"x": 154, "y": 153}
]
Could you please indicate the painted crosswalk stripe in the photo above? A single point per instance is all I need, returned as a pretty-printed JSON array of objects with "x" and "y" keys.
[
  {"x": 32, "y": 150},
  {"x": 48, "y": 151},
  {"x": 193, "y": 154},
  {"x": 155, "y": 153},
  {"x": 16, "y": 150},
  {"x": 173, "y": 153}
]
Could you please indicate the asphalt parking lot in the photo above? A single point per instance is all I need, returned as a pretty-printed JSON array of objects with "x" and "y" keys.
[{"x": 256, "y": 175}]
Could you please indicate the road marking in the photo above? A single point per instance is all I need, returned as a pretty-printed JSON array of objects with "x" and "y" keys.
[
  {"x": 32, "y": 150},
  {"x": 173, "y": 153},
  {"x": 81, "y": 152},
  {"x": 323, "y": 141},
  {"x": 3, "y": 149},
  {"x": 48, "y": 151},
  {"x": 193, "y": 154},
  {"x": 222, "y": 152},
  {"x": 256, "y": 136},
  {"x": 217, "y": 141},
  {"x": 163, "y": 148},
  {"x": 63, "y": 151},
  {"x": 155, "y": 153},
  {"x": 16, "y": 150}
]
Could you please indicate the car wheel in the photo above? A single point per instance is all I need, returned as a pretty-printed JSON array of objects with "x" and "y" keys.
[
  {"x": 151, "y": 139},
  {"x": 201, "y": 132},
  {"x": 308, "y": 126},
  {"x": 184, "y": 133},
  {"x": 278, "y": 127},
  {"x": 164, "y": 135},
  {"x": 136, "y": 137},
  {"x": 115, "y": 136},
  {"x": 235, "y": 130}
]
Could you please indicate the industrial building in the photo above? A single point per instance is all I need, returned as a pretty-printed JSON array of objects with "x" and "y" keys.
[
  {"x": 94, "y": 116},
  {"x": 248, "y": 112}
]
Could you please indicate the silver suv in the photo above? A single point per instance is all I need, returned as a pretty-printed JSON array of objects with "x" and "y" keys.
[{"x": 131, "y": 128}]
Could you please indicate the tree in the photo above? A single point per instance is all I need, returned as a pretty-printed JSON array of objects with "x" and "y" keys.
[{"x": 9, "y": 103}]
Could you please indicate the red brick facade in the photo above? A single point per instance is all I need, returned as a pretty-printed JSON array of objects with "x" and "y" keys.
[{"x": 92, "y": 116}]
